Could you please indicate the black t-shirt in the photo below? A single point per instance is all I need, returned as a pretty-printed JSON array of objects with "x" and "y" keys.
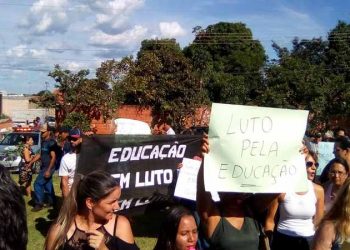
[{"x": 47, "y": 146}]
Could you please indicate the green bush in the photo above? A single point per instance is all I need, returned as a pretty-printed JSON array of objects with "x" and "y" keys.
[{"x": 3, "y": 116}]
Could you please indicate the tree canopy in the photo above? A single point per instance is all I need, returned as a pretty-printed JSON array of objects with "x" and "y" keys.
[
  {"x": 228, "y": 60},
  {"x": 77, "y": 93},
  {"x": 162, "y": 78},
  {"x": 225, "y": 64}
]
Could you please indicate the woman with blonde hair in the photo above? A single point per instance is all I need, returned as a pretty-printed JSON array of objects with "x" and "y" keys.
[
  {"x": 334, "y": 230},
  {"x": 88, "y": 218}
]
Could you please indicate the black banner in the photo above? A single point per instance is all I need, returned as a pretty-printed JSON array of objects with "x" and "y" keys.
[{"x": 144, "y": 165}]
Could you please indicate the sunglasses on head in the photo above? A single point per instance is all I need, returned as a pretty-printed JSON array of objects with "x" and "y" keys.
[{"x": 310, "y": 164}]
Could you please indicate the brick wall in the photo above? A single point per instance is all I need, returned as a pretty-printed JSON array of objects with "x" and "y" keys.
[
  {"x": 134, "y": 112},
  {"x": 125, "y": 111}
]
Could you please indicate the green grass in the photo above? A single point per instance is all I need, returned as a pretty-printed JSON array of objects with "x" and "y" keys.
[{"x": 145, "y": 227}]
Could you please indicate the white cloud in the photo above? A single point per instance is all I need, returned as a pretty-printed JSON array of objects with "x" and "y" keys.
[
  {"x": 115, "y": 7},
  {"x": 128, "y": 38},
  {"x": 18, "y": 72},
  {"x": 112, "y": 16},
  {"x": 46, "y": 16},
  {"x": 22, "y": 51},
  {"x": 73, "y": 66},
  {"x": 171, "y": 29}
]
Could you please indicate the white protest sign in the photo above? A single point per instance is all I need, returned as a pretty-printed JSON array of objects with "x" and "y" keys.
[
  {"x": 255, "y": 149},
  {"x": 186, "y": 185},
  {"x": 126, "y": 126},
  {"x": 325, "y": 155}
]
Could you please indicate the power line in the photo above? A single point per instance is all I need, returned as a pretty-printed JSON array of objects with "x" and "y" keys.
[
  {"x": 260, "y": 72},
  {"x": 160, "y": 42}
]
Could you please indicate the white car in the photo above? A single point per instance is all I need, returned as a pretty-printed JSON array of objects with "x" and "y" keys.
[{"x": 9, "y": 157}]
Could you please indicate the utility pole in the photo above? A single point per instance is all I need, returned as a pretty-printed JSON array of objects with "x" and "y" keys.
[{"x": 46, "y": 89}]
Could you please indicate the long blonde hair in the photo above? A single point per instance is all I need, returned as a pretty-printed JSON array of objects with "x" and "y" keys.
[
  {"x": 95, "y": 185},
  {"x": 339, "y": 213}
]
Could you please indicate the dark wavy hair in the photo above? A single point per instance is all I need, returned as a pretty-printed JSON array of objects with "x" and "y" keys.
[
  {"x": 343, "y": 142},
  {"x": 13, "y": 218},
  {"x": 340, "y": 161},
  {"x": 167, "y": 237},
  {"x": 96, "y": 185}
]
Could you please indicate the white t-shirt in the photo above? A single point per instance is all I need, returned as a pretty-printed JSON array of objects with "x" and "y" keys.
[{"x": 68, "y": 166}]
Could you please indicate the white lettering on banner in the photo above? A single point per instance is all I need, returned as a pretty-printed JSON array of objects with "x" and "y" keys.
[
  {"x": 126, "y": 153},
  {"x": 146, "y": 152},
  {"x": 113, "y": 155},
  {"x": 139, "y": 202},
  {"x": 124, "y": 179},
  {"x": 134, "y": 202},
  {"x": 125, "y": 204},
  {"x": 154, "y": 177},
  {"x": 143, "y": 156}
]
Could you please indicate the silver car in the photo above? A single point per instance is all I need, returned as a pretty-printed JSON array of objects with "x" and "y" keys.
[{"x": 9, "y": 155}]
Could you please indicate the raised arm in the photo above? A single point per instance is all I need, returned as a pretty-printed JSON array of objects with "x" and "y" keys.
[
  {"x": 271, "y": 213},
  {"x": 205, "y": 206},
  {"x": 26, "y": 155}
]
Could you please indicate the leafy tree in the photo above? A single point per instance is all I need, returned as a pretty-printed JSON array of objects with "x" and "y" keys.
[
  {"x": 338, "y": 54},
  {"x": 76, "y": 119},
  {"x": 338, "y": 63},
  {"x": 228, "y": 61},
  {"x": 114, "y": 74},
  {"x": 161, "y": 77},
  {"x": 77, "y": 93},
  {"x": 44, "y": 99},
  {"x": 302, "y": 78}
]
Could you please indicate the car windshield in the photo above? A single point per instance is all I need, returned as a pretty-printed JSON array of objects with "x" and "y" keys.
[
  {"x": 50, "y": 119},
  {"x": 16, "y": 138}
]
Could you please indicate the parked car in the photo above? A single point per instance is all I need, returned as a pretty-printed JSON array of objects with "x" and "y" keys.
[
  {"x": 51, "y": 121},
  {"x": 9, "y": 155}
]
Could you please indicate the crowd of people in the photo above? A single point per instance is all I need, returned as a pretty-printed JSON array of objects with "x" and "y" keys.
[{"x": 317, "y": 219}]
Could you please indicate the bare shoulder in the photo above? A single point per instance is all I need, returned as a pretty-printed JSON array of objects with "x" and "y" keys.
[
  {"x": 212, "y": 223},
  {"x": 51, "y": 236},
  {"x": 54, "y": 229},
  {"x": 327, "y": 226},
  {"x": 123, "y": 230},
  {"x": 324, "y": 236},
  {"x": 318, "y": 189},
  {"x": 123, "y": 222}
]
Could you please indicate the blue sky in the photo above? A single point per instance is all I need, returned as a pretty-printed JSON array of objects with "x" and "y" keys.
[{"x": 36, "y": 35}]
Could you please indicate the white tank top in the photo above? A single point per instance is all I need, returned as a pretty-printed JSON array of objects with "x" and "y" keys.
[{"x": 296, "y": 213}]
